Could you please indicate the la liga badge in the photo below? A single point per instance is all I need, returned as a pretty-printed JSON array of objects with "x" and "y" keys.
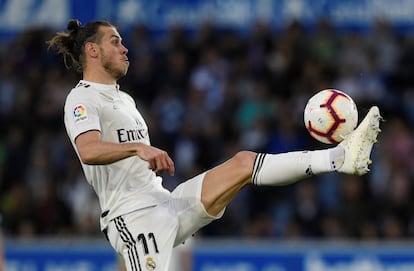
[{"x": 79, "y": 113}]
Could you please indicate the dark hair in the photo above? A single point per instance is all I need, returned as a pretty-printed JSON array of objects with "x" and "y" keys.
[{"x": 71, "y": 44}]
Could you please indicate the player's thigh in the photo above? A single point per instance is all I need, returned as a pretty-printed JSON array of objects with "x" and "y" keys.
[
  {"x": 145, "y": 237},
  {"x": 191, "y": 213}
]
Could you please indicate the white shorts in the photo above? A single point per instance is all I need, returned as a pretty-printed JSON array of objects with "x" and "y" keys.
[{"x": 145, "y": 238}]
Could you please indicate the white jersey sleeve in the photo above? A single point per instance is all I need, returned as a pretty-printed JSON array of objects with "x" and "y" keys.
[{"x": 81, "y": 113}]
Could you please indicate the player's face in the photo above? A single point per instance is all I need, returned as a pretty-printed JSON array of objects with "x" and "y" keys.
[{"x": 113, "y": 53}]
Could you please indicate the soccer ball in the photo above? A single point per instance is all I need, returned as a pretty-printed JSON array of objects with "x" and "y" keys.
[{"x": 330, "y": 115}]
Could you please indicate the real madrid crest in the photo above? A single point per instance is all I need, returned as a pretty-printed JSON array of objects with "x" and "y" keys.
[{"x": 150, "y": 264}]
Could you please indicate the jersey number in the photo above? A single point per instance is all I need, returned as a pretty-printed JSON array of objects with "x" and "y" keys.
[{"x": 143, "y": 240}]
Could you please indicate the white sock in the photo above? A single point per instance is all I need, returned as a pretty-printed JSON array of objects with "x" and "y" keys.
[{"x": 286, "y": 168}]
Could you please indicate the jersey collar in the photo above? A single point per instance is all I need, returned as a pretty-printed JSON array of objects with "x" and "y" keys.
[{"x": 102, "y": 87}]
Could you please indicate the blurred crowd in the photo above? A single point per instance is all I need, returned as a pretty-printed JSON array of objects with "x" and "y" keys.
[{"x": 207, "y": 94}]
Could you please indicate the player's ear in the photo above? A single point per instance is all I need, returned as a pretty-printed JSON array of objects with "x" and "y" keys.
[{"x": 91, "y": 49}]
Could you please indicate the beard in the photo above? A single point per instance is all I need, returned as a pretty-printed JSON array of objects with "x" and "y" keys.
[{"x": 110, "y": 67}]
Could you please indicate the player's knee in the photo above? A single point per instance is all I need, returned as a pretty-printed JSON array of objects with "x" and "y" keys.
[{"x": 244, "y": 160}]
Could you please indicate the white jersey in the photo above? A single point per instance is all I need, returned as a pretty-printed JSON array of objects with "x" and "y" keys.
[{"x": 128, "y": 184}]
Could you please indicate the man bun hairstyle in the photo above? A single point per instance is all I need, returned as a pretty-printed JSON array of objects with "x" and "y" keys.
[
  {"x": 73, "y": 25},
  {"x": 71, "y": 44}
]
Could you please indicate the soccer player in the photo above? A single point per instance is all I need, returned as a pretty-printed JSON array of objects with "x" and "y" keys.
[{"x": 142, "y": 220}]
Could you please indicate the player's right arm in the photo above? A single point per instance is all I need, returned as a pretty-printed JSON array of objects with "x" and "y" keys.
[{"x": 94, "y": 151}]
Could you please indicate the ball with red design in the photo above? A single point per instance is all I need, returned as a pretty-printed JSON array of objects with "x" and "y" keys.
[{"x": 330, "y": 115}]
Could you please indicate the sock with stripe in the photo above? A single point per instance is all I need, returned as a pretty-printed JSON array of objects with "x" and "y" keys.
[{"x": 286, "y": 168}]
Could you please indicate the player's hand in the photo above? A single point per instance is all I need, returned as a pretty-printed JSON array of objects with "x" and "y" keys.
[{"x": 158, "y": 160}]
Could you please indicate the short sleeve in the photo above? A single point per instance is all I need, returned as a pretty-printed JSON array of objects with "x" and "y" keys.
[{"x": 81, "y": 113}]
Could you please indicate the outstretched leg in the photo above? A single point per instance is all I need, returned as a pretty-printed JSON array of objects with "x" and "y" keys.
[{"x": 222, "y": 183}]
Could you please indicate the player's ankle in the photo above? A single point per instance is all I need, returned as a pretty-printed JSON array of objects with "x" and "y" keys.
[{"x": 337, "y": 157}]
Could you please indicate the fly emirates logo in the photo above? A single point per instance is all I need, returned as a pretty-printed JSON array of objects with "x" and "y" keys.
[{"x": 130, "y": 135}]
